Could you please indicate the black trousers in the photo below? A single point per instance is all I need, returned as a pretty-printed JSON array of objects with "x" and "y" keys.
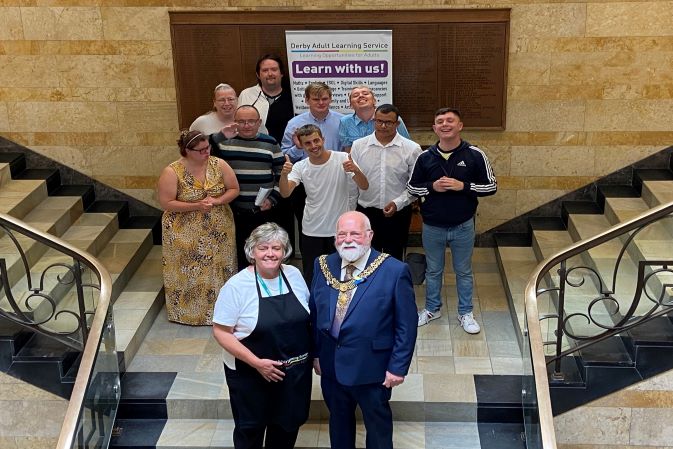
[
  {"x": 374, "y": 401},
  {"x": 250, "y": 397},
  {"x": 311, "y": 248},
  {"x": 390, "y": 233},
  {"x": 298, "y": 201},
  {"x": 284, "y": 217},
  {"x": 246, "y": 221}
]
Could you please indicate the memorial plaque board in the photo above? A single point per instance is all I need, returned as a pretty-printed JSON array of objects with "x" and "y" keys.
[{"x": 448, "y": 57}]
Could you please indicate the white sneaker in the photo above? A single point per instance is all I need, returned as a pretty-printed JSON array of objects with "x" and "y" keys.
[
  {"x": 425, "y": 316},
  {"x": 468, "y": 323}
]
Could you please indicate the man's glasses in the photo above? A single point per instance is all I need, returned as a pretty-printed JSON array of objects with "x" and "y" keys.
[
  {"x": 246, "y": 122},
  {"x": 385, "y": 122}
]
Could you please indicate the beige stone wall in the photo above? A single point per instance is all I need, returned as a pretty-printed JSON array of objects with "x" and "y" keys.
[
  {"x": 637, "y": 417},
  {"x": 90, "y": 83}
]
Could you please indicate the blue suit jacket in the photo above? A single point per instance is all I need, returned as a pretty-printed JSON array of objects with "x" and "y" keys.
[{"x": 378, "y": 333}]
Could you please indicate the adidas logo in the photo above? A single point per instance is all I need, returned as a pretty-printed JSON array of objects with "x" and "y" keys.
[{"x": 461, "y": 164}]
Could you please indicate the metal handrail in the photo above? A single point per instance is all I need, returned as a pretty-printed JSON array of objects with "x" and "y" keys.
[
  {"x": 539, "y": 363},
  {"x": 70, "y": 423}
]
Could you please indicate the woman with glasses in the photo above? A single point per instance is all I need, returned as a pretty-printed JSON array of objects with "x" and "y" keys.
[
  {"x": 199, "y": 244},
  {"x": 262, "y": 321},
  {"x": 221, "y": 117}
]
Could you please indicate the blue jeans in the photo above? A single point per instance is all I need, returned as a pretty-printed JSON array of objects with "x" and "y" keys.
[{"x": 461, "y": 241}]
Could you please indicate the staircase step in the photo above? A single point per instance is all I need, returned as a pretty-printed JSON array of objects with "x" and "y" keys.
[
  {"x": 16, "y": 161},
  {"x": 51, "y": 176},
  {"x": 123, "y": 253},
  {"x": 547, "y": 224},
  {"x": 656, "y": 193},
  {"x": 138, "y": 305},
  {"x": 120, "y": 208},
  {"x": 12, "y": 338},
  {"x": 578, "y": 207},
  {"x": 653, "y": 174},
  {"x": 86, "y": 192},
  {"x": 44, "y": 362},
  {"x": 547, "y": 243},
  {"x": 152, "y": 222},
  {"x": 5, "y": 173},
  {"x": 658, "y": 332},
  {"x": 516, "y": 264},
  {"x": 512, "y": 239},
  {"x": 18, "y": 197},
  {"x": 89, "y": 232},
  {"x": 609, "y": 352}
]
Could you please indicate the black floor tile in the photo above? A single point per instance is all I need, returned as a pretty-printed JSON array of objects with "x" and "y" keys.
[
  {"x": 137, "y": 433},
  {"x": 501, "y": 436},
  {"x": 496, "y": 390},
  {"x": 142, "y": 386}
]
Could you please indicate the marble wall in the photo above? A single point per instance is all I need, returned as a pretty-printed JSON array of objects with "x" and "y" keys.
[
  {"x": 590, "y": 88},
  {"x": 637, "y": 417}
]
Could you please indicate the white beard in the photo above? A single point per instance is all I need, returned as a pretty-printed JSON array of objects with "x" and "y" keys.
[{"x": 352, "y": 254}]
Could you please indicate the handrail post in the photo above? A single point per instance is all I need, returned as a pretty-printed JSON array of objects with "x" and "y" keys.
[
  {"x": 557, "y": 375},
  {"x": 80, "y": 300}
]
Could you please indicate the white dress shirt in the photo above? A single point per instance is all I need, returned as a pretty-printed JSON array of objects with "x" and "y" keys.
[{"x": 387, "y": 168}]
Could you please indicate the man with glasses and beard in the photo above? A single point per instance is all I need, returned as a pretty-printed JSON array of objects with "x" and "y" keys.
[{"x": 364, "y": 317}]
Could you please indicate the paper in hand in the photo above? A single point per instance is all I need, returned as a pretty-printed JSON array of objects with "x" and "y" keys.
[{"x": 262, "y": 195}]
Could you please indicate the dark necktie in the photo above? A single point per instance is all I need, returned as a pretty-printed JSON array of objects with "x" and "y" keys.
[{"x": 343, "y": 301}]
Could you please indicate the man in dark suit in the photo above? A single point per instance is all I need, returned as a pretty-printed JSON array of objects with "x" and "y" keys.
[{"x": 364, "y": 316}]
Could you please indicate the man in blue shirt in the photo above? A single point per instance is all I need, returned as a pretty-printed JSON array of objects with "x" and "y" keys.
[
  {"x": 318, "y": 97},
  {"x": 361, "y": 122}
]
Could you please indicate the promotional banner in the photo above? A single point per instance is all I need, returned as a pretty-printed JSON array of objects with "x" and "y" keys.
[{"x": 342, "y": 59}]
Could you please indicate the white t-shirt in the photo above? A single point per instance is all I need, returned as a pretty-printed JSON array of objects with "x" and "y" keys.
[
  {"x": 327, "y": 190},
  {"x": 208, "y": 124},
  {"x": 237, "y": 305}
]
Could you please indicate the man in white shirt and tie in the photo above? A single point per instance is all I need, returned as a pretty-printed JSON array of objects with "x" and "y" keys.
[{"x": 387, "y": 160}]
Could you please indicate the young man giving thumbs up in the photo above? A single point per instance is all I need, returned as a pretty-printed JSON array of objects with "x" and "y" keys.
[{"x": 327, "y": 177}]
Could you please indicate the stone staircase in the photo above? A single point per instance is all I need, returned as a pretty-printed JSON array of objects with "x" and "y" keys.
[
  {"x": 124, "y": 244},
  {"x": 618, "y": 361}
]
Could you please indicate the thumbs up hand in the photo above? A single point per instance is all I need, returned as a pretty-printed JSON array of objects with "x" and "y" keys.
[
  {"x": 287, "y": 166},
  {"x": 349, "y": 165}
]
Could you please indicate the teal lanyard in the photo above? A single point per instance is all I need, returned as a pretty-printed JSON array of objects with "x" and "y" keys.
[{"x": 266, "y": 289}]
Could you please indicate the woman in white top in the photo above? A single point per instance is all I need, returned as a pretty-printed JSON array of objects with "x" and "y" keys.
[
  {"x": 261, "y": 319},
  {"x": 225, "y": 103}
]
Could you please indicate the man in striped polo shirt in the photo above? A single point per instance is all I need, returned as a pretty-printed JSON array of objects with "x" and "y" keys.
[{"x": 257, "y": 160}]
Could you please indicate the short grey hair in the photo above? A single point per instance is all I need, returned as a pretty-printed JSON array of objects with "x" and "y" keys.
[
  {"x": 361, "y": 86},
  {"x": 267, "y": 233},
  {"x": 223, "y": 86}
]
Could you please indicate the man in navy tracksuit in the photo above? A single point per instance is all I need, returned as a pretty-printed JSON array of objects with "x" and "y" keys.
[{"x": 448, "y": 177}]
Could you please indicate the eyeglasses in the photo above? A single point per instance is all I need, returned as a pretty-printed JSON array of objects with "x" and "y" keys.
[
  {"x": 200, "y": 150},
  {"x": 226, "y": 100},
  {"x": 246, "y": 122},
  {"x": 385, "y": 122}
]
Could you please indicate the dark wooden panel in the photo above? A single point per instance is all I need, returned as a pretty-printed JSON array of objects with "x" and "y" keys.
[
  {"x": 203, "y": 57},
  {"x": 454, "y": 58}
]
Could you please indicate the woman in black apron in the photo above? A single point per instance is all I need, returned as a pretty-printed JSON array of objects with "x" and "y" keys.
[{"x": 270, "y": 379}]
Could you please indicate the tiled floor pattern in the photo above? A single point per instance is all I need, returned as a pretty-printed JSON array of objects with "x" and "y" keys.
[
  {"x": 442, "y": 371},
  {"x": 20, "y": 406}
]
